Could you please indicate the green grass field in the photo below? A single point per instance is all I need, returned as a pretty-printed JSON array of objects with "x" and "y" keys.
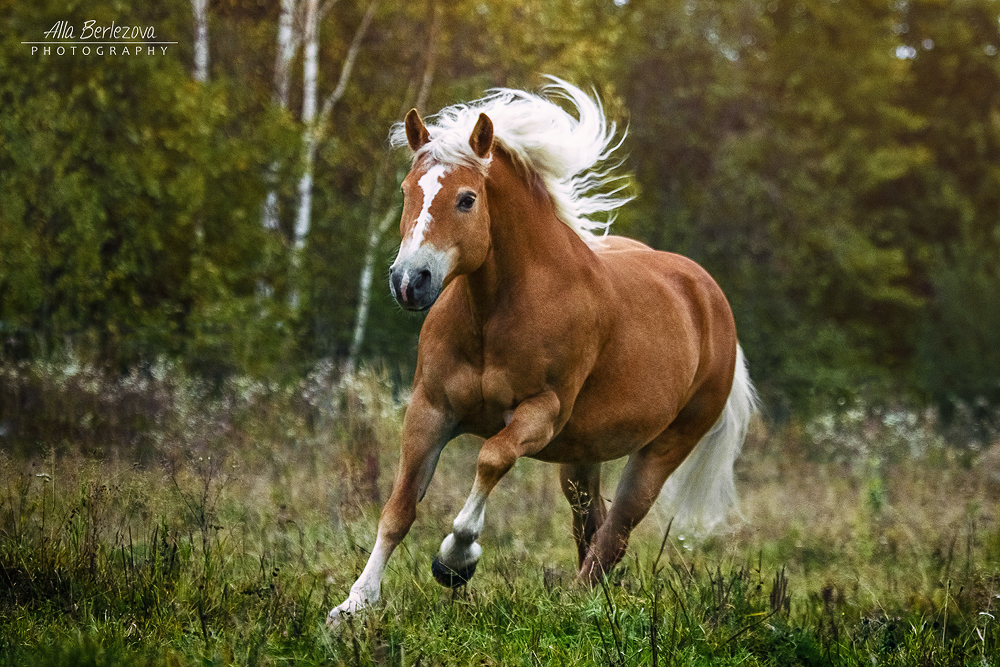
[{"x": 227, "y": 537}]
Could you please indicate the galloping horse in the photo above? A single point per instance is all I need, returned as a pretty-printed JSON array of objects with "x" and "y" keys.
[{"x": 549, "y": 340}]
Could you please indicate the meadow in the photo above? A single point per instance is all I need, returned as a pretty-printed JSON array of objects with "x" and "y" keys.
[{"x": 153, "y": 520}]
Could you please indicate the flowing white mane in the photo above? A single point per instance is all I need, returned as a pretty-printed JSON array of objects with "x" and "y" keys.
[{"x": 565, "y": 152}]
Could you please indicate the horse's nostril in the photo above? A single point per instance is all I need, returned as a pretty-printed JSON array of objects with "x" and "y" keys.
[{"x": 422, "y": 279}]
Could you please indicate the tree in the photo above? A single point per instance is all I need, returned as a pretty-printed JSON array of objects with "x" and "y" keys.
[
  {"x": 379, "y": 220},
  {"x": 315, "y": 123},
  {"x": 952, "y": 229},
  {"x": 289, "y": 40},
  {"x": 127, "y": 189}
]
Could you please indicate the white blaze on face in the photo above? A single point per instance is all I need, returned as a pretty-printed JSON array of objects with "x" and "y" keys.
[{"x": 430, "y": 184}]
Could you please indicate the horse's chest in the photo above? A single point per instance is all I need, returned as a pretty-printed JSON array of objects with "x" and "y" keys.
[
  {"x": 497, "y": 387},
  {"x": 482, "y": 397}
]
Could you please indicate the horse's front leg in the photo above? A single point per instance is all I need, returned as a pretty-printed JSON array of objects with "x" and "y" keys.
[
  {"x": 529, "y": 428},
  {"x": 426, "y": 430}
]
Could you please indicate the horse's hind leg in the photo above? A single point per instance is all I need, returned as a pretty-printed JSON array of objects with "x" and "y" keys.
[
  {"x": 581, "y": 484},
  {"x": 640, "y": 485}
]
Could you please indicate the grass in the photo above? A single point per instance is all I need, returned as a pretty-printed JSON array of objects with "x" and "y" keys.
[{"x": 868, "y": 540}]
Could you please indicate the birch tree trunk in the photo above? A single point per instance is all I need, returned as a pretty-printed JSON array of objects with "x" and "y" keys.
[
  {"x": 378, "y": 226},
  {"x": 310, "y": 76},
  {"x": 288, "y": 43},
  {"x": 376, "y": 232},
  {"x": 200, "y": 10},
  {"x": 289, "y": 40},
  {"x": 315, "y": 123}
]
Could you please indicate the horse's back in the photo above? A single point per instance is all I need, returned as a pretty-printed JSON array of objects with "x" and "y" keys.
[{"x": 683, "y": 290}]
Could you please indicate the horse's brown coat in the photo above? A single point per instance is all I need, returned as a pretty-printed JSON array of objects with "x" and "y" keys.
[{"x": 554, "y": 349}]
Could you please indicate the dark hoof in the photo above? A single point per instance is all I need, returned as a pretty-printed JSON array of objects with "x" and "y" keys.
[{"x": 451, "y": 578}]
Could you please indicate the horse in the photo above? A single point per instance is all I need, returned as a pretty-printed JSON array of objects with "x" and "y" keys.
[{"x": 549, "y": 339}]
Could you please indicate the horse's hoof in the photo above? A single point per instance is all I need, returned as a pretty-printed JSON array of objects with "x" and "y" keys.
[
  {"x": 452, "y": 578},
  {"x": 339, "y": 613}
]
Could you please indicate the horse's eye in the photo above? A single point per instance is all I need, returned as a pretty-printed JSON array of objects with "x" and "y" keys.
[{"x": 466, "y": 201}]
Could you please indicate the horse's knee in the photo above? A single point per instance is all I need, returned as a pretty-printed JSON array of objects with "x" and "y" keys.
[{"x": 493, "y": 463}]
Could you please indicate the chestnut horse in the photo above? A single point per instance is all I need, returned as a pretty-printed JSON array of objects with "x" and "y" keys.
[{"x": 551, "y": 341}]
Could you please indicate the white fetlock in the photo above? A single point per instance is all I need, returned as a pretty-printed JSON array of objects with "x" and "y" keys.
[{"x": 457, "y": 555}]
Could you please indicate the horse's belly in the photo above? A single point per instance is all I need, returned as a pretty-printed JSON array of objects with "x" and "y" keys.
[
  {"x": 607, "y": 432},
  {"x": 628, "y": 401},
  {"x": 604, "y": 447}
]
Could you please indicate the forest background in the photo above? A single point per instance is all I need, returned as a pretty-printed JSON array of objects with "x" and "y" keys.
[{"x": 230, "y": 204}]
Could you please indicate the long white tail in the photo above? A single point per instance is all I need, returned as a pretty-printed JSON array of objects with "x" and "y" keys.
[{"x": 701, "y": 492}]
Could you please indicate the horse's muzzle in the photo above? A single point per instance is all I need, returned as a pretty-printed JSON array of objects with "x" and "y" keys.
[
  {"x": 416, "y": 279},
  {"x": 414, "y": 288},
  {"x": 410, "y": 289}
]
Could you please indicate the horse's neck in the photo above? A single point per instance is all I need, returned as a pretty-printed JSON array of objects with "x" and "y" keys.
[{"x": 529, "y": 244}]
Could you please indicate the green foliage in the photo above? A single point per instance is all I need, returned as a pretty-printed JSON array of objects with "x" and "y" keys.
[
  {"x": 957, "y": 82},
  {"x": 131, "y": 202},
  {"x": 959, "y": 338},
  {"x": 831, "y": 163}
]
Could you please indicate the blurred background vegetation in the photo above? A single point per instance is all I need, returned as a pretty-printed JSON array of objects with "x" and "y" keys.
[{"x": 835, "y": 164}]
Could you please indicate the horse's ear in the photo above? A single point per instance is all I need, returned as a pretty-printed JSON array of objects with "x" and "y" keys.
[
  {"x": 416, "y": 133},
  {"x": 482, "y": 136}
]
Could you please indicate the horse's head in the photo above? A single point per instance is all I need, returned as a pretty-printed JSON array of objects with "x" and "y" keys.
[{"x": 445, "y": 224}]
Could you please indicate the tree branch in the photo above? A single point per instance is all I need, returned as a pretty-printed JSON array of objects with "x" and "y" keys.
[
  {"x": 431, "y": 62},
  {"x": 349, "y": 60},
  {"x": 325, "y": 8}
]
